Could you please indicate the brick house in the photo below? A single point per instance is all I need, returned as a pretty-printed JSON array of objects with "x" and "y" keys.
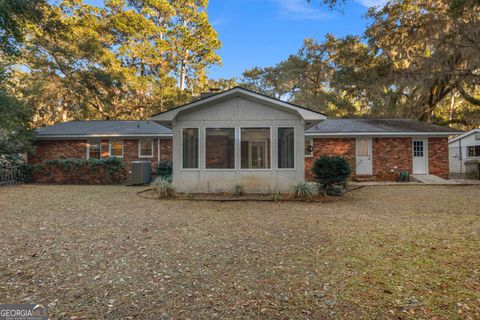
[
  {"x": 129, "y": 140},
  {"x": 239, "y": 136}
]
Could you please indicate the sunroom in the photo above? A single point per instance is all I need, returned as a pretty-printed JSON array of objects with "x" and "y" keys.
[{"x": 238, "y": 137}]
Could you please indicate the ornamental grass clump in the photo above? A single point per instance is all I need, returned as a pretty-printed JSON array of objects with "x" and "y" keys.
[
  {"x": 164, "y": 188},
  {"x": 239, "y": 190},
  {"x": 305, "y": 191}
]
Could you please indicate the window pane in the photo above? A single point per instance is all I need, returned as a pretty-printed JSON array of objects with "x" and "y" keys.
[
  {"x": 286, "y": 148},
  {"x": 94, "y": 149},
  {"x": 255, "y": 148},
  {"x": 471, "y": 151},
  {"x": 477, "y": 151},
  {"x": 190, "y": 148},
  {"x": 418, "y": 148},
  {"x": 116, "y": 148},
  {"x": 362, "y": 148},
  {"x": 146, "y": 149},
  {"x": 220, "y": 148}
]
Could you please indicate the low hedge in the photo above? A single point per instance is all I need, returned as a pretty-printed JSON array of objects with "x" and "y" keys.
[{"x": 93, "y": 171}]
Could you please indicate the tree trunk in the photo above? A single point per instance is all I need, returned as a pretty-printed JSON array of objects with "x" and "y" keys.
[
  {"x": 451, "y": 108},
  {"x": 182, "y": 75}
]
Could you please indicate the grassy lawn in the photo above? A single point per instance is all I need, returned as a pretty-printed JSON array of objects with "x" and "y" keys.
[{"x": 377, "y": 253}]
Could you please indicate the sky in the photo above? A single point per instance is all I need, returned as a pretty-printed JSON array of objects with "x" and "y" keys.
[{"x": 264, "y": 32}]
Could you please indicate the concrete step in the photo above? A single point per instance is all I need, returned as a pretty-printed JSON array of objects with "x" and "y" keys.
[
  {"x": 429, "y": 179},
  {"x": 363, "y": 178}
]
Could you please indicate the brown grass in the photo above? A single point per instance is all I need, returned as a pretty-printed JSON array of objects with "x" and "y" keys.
[{"x": 376, "y": 253}]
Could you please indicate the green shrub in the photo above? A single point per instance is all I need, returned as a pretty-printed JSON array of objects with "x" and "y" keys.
[
  {"x": 104, "y": 170},
  {"x": 304, "y": 190},
  {"x": 164, "y": 188},
  {"x": 25, "y": 172},
  {"x": 164, "y": 169},
  {"x": 331, "y": 172},
  {"x": 239, "y": 189}
]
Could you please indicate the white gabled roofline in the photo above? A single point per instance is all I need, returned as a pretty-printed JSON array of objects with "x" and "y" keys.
[
  {"x": 466, "y": 134},
  {"x": 306, "y": 114}
]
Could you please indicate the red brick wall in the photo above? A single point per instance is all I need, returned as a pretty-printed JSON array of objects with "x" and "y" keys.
[
  {"x": 330, "y": 147},
  {"x": 77, "y": 149},
  {"x": 58, "y": 149},
  {"x": 438, "y": 157},
  {"x": 165, "y": 149},
  {"x": 388, "y": 153}
]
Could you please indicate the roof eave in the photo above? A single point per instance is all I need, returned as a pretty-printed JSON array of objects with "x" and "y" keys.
[
  {"x": 379, "y": 134},
  {"x": 464, "y": 135},
  {"x": 92, "y": 136},
  {"x": 167, "y": 117}
]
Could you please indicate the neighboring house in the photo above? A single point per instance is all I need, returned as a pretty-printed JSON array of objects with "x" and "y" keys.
[
  {"x": 463, "y": 148},
  {"x": 239, "y": 136}
]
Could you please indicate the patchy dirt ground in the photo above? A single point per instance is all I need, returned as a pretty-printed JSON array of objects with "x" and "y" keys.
[{"x": 377, "y": 253}]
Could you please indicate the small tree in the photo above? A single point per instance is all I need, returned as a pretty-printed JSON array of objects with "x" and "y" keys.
[{"x": 331, "y": 172}]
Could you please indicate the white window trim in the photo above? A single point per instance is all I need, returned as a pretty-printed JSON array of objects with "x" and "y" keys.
[
  {"x": 88, "y": 148},
  {"x": 294, "y": 149},
  {"x": 110, "y": 149},
  {"x": 466, "y": 151},
  {"x": 198, "y": 149},
  {"x": 240, "y": 149},
  {"x": 140, "y": 148},
  {"x": 313, "y": 148},
  {"x": 234, "y": 149}
]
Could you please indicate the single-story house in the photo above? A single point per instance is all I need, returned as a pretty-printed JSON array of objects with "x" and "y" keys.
[
  {"x": 240, "y": 136},
  {"x": 463, "y": 148}
]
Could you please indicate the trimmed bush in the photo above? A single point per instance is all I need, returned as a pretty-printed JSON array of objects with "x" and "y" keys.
[
  {"x": 25, "y": 172},
  {"x": 92, "y": 171},
  {"x": 164, "y": 169},
  {"x": 164, "y": 188},
  {"x": 304, "y": 190},
  {"x": 331, "y": 174}
]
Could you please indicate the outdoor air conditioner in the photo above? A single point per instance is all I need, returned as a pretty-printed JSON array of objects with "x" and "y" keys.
[{"x": 141, "y": 172}]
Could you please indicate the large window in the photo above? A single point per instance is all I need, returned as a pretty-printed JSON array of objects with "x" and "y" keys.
[
  {"x": 220, "y": 148},
  {"x": 190, "y": 148},
  {"x": 145, "y": 148},
  {"x": 286, "y": 148},
  {"x": 116, "y": 148},
  {"x": 255, "y": 148},
  {"x": 94, "y": 149},
  {"x": 473, "y": 151}
]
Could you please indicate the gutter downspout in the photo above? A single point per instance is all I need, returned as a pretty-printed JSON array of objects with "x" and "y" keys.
[{"x": 460, "y": 156}]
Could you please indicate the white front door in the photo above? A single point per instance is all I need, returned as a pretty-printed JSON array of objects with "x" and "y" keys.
[
  {"x": 420, "y": 156},
  {"x": 364, "y": 156}
]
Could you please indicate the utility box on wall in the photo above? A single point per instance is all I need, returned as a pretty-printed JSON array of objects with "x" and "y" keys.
[{"x": 141, "y": 172}]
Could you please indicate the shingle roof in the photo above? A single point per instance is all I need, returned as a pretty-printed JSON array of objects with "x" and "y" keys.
[
  {"x": 104, "y": 128},
  {"x": 377, "y": 126}
]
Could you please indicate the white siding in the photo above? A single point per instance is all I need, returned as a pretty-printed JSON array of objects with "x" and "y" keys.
[{"x": 238, "y": 112}]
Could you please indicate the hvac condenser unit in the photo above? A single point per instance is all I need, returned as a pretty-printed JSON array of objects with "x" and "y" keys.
[{"x": 141, "y": 172}]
